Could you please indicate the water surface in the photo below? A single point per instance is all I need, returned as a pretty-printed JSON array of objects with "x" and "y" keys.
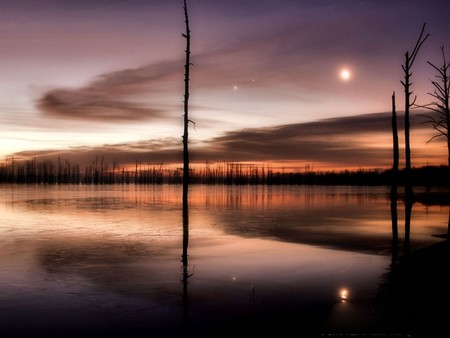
[{"x": 103, "y": 260}]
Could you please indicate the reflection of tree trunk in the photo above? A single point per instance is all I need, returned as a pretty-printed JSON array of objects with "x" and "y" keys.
[
  {"x": 408, "y": 211},
  {"x": 394, "y": 218},
  {"x": 184, "y": 257},
  {"x": 184, "y": 260}
]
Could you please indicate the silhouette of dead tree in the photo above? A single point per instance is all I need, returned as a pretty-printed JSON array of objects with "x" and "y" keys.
[
  {"x": 187, "y": 66},
  {"x": 409, "y": 61},
  {"x": 440, "y": 110},
  {"x": 396, "y": 153}
]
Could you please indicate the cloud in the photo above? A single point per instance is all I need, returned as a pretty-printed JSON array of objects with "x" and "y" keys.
[
  {"x": 148, "y": 93},
  {"x": 350, "y": 141},
  {"x": 165, "y": 150},
  {"x": 120, "y": 96},
  {"x": 82, "y": 104},
  {"x": 363, "y": 141}
]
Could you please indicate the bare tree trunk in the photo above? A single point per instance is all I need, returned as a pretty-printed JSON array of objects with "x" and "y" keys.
[
  {"x": 409, "y": 61},
  {"x": 394, "y": 183},
  {"x": 187, "y": 65},
  {"x": 184, "y": 256},
  {"x": 407, "y": 106},
  {"x": 395, "y": 141}
]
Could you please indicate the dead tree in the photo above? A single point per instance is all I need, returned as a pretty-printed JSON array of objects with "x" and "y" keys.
[
  {"x": 396, "y": 153},
  {"x": 394, "y": 182},
  {"x": 187, "y": 65},
  {"x": 186, "y": 171},
  {"x": 409, "y": 61},
  {"x": 439, "y": 117}
]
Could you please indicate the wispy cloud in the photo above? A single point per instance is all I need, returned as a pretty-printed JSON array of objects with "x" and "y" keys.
[
  {"x": 165, "y": 150},
  {"x": 350, "y": 141},
  {"x": 336, "y": 140},
  {"x": 115, "y": 97},
  {"x": 83, "y": 104}
]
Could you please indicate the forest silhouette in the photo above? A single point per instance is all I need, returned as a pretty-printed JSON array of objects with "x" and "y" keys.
[{"x": 226, "y": 173}]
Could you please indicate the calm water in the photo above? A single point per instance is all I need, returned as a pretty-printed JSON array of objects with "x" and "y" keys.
[{"x": 104, "y": 260}]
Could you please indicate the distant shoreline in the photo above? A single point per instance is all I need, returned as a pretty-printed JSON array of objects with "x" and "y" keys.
[{"x": 33, "y": 172}]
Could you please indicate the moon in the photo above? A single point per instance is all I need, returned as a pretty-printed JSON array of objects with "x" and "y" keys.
[{"x": 345, "y": 74}]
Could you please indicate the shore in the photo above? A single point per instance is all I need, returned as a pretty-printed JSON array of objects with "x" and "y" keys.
[{"x": 415, "y": 297}]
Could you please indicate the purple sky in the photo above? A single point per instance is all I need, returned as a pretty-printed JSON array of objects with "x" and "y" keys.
[{"x": 81, "y": 79}]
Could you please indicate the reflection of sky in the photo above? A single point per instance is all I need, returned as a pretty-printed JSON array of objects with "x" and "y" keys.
[
  {"x": 115, "y": 251},
  {"x": 350, "y": 218}
]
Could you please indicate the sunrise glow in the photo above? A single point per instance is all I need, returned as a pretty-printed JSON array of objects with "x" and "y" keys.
[{"x": 110, "y": 84}]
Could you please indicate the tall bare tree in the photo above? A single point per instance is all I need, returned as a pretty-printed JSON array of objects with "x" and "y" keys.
[
  {"x": 186, "y": 172},
  {"x": 184, "y": 256},
  {"x": 394, "y": 182},
  {"x": 187, "y": 36},
  {"x": 409, "y": 61},
  {"x": 396, "y": 153},
  {"x": 439, "y": 117}
]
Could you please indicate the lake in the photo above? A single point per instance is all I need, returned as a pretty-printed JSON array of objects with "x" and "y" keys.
[{"x": 106, "y": 260}]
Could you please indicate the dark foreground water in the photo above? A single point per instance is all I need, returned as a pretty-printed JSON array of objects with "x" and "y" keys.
[{"x": 292, "y": 261}]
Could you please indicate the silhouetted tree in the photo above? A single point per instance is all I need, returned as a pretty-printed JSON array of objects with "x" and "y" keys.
[
  {"x": 395, "y": 142},
  {"x": 409, "y": 61},
  {"x": 394, "y": 182},
  {"x": 184, "y": 256},
  {"x": 187, "y": 65},
  {"x": 440, "y": 116}
]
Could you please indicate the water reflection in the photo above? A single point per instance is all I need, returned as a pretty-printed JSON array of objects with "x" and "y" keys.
[
  {"x": 185, "y": 267},
  {"x": 343, "y": 295},
  {"x": 394, "y": 222},
  {"x": 414, "y": 296},
  {"x": 274, "y": 258},
  {"x": 343, "y": 218},
  {"x": 408, "y": 212}
]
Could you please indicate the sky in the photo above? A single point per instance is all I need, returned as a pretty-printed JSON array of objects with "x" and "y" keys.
[{"x": 84, "y": 79}]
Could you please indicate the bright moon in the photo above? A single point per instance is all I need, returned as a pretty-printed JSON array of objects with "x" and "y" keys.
[{"x": 345, "y": 74}]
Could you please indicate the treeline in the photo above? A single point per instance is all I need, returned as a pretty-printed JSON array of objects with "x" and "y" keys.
[
  {"x": 65, "y": 172},
  {"x": 228, "y": 173}
]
